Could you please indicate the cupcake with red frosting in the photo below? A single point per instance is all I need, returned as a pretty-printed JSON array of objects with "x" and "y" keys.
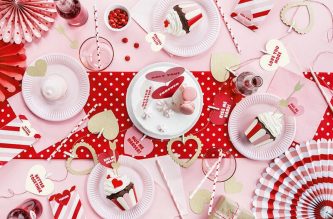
[
  {"x": 120, "y": 190},
  {"x": 182, "y": 18}
]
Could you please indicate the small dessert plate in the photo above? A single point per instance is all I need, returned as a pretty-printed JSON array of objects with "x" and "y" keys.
[
  {"x": 139, "y": 175},
  {"x": 66, "y": 96},
  {"x": 199, "y": 40},
  {"x": 242, "y": 116}
]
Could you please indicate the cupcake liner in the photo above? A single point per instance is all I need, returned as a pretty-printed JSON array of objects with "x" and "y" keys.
[
  {"x": 127, "y": 201},
  {"x": 258, "y": 134}
]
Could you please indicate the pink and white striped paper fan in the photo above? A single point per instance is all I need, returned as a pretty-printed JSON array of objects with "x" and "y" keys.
[
  {"x": 23, "y": 20},
  {"x": 298, "y": 184}
]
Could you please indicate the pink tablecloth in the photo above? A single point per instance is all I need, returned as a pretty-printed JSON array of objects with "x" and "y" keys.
[{"x": 304, "y": 48}]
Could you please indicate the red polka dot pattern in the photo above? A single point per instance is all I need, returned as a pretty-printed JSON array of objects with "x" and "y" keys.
[{"x": 109, "y": 89}]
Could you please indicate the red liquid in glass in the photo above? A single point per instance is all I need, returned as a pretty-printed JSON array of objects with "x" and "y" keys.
[{"x": 30, "y": 209}]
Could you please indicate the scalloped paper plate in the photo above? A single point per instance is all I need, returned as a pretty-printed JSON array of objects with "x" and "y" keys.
[
  {"x": 197, "y": 41},
  {"x": 242, "y": 116},
  {"x": 139, "y": 175},
  {"x": 77, "y": 92}
]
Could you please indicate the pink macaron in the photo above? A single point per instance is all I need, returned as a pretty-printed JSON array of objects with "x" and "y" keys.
[
  {"x": 189, "y": 94},
  {"x": 187, "y": 108}
]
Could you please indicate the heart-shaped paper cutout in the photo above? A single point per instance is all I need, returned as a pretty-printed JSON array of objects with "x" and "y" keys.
[
  {"x": 277, "y": 56},
  {"x": 168, "y": 90},
  {"x": 292, "y": 108},
  {"x": 37, "y": 70},
  {"x": 36, "y": 182},
  {"x": 104, "y": 121},
  {"x": 116, "y": 183},
  {"x": 70, "y": 159},
  {"x": 164, "y": 77},
  {"x": 156, "y": 40},
  {"x": 63, "y": 198},
  {"x": 225, "y": 104},
  {"x": 134, "y": 146},
  {"x": 232, "y": 186},
  {"x": 291, "y": 22},
  {"x": 107, "y": 159},
  {"x": 182, "y": 162},
  {"x": 220, "y": 62},
  {"x": 200, "y": 200}
]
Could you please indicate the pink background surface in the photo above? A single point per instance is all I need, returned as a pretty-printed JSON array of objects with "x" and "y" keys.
[{"x": 304, "y": 49}]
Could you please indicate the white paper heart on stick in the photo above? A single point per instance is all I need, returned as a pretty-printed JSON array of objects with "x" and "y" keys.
[
  {"x": 233, "y": 186},
  {"x": 156, "y": 41},
  {"x": 220, "y": 62},
  {"x": 277, "y": 55},
  {"x": 37, "y": 183}
]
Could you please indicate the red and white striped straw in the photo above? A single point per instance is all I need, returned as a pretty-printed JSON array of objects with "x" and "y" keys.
[
  {"x": 227, "y": 24},
  {"x": 215, "y": 181},
  {"x": 97, "y": 36},
  {"x": 72, "y": 132}
]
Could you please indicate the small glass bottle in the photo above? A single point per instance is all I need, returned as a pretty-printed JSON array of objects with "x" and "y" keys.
[
  {"x": 246, "y": 83},
  {"x": 30, "y": 209},
  {"x": 72, "y": 11}
]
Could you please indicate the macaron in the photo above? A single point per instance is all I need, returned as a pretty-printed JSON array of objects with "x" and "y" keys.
[
  {"x": 189, "y": 94},
  {"x": 187, "y": 108}
]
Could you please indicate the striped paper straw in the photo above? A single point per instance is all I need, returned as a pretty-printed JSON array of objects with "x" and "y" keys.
[
  {"x": 97, "y": 36},
  {"x": 167, "y": 183},
  {"x": 227, "y": 24},
  {"x": 215, "y": 181},
  {"x": 72, "y": 132}
]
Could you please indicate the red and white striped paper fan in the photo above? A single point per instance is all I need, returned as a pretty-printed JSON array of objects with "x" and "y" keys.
[
  {"x": 298, "y": 184},
  {"x": 22, "y": 20},
  {"x": 12, "y": 68}
]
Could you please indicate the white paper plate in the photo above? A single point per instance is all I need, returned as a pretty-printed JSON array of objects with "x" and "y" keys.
[
  {"x": 242, "y": 116},
  {"x": 139, "y": 175},
  {"x": 77, "y": 92},
  {"x": 197, "y": 41},
  {"x": 178, "y": 129}
]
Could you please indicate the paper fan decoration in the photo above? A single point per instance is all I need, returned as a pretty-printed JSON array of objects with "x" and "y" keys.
[
  {"x": 298, "y": 184},
  {"x": 12, "y": 68},
  {"x": 22, "y": 20}
]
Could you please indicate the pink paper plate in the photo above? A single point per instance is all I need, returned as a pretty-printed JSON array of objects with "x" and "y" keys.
[
  {"x": 77, "y": 92},
  {"x": 139, "y": 175},
  {"x": 197, "y": 41},
  {"x": 242, "y": 116}
]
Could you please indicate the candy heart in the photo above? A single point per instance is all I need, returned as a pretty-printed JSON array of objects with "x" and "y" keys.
[
  {"x": 292, "y": 108},
  {"x": 277, "y": 56},
  {"x": 164, "y": 77},
  {"x": 107, "y": 159},
  {"x": 232, "y": 186},
  {"x": 224, "y": 103},
  {"x": 291, "y": 22},
  {"x": 169, "y": 90},
  {"x": 219, "y": 63},
  {"x": 134, "y": 146},
  {"x": 156, "y": 41},
  {"x": 117, "y": 183},
  {"x": 104, "y": 121},
  {"x": 175, "y": 157},
  {"x": 37, "y": 183},
  {"x": 37, "y": 70},
  {"x": 63, "y": 198},
  {"x": 199, "y": 200},
  {"x": 70, "y": 159}
]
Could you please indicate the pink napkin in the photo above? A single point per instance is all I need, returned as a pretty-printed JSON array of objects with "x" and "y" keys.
[
  {"x": 50, "y": 131},
  {"x": 309, "y": 97}
]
